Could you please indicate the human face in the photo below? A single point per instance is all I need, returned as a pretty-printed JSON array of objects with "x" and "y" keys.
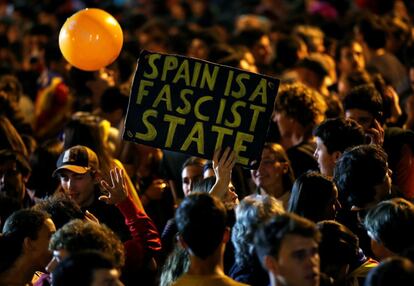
[
  {"x": 262, "y": 51},
  {"x": 58, "y": 257},
  {"x": 79, "y": 187},
  {"x": 298, "y": 263},
  {"x": 363, "y": 117},
  {"x": 334, "y": 206},
  {"x": 383, "y": 190},
  {"x": 351, "y": 58},
  {"x": 189, "y": 176},
  {"x": 106, "y": 277},
  {"x": 325, "y": 160},
  {"x": 40, "y": 252},
  {"x": 270, "y": 171},
  {"x": 11, "y": 180},
  {"x": 231, "y": 199},
  {"x": 284, "y": 123}
]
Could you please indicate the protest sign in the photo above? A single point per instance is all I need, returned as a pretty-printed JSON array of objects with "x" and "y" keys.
[{"x": 195, "y": 107}]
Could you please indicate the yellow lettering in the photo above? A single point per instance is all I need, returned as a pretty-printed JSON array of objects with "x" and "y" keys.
[
  {"x": 221, "y": 111},
  {"x": 174, "y": 121},
  {"x": 151, "y": 62},
  {"x": 239, "y": 147},
  {"x": 209, "y": 78},
  {"x": 183, "y": 73},
  {"x": 164, "y": 95},
  {"x": 170, "y": 63},
  {"x": 197, "y": 112},
  {"x": 142, "y": 91},
  {"x": 229, "y": 82},
  {"x": 196, "y": 73},
  {"x": 151, "y": 131},
  {"x": 242, "y": 88},
  {"x": 221, "y": 131},
  {"x": 256, "y": 110},
  {"x": 261, "y": 89},
  {"x": 237, "y": 118},
  {"x": 187, "y": 106},
  {"x": 199, "y": 140}
]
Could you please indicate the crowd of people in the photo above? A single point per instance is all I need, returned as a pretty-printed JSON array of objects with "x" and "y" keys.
[{"x": 329, "y": 203}]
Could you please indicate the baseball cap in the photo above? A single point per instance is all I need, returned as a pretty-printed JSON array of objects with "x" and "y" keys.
[{"x": 78, "y": 159}]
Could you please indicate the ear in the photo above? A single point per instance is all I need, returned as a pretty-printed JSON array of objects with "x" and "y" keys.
[
  {"x": 226, "y": 235},
  {"x": 28, "y": 245},
  {"x": 271, "y": 265},
  {"x": 97, "y": 177},
  {"x": 336, "y": 155},
  {"x": 285, "y": 167}
]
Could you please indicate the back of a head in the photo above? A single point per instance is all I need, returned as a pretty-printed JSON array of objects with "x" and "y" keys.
[
  {"x": 373, "y": 31},
  {"x": 10, "y": 137},
  {"x": 358, "y": 171},
  {"x": 79, "y": 269},
  {"x": 201, "y": 222},
  {"x": 311, "y": 194},
  {"x": 18, "y": 226},
  {"x": 389, "y": 222},
  {"x": 78, "y": 235},
  {"x": 339, "y": 134},
  {"x": 301, "y": 103},
  {"x": 250, "y": 213},
  {"x": 270, "y": 235},
  {"x": 392, "y": 271},
  {"x": 113, "y": 99},
  {"x": 339, "y": 245},
  {"x": 365, "y": 97}
]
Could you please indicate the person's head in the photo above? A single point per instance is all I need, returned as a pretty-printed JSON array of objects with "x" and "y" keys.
[
  {"x": 298, "y": 108},
  {"x": 191, "y": 172},
  {"x": 78, "y": 169},
  {"x": 333, "y": 137},
  {"x": 259, "y": 44},
  {"x": 338, "y": 249},
  {"x": 26, "y": 234},
  {"x": 387, "y": 224},
  {"x": 78, "y": 235},
  {"x": 350, "y": 57},
  {"x": 289, "y": 50},
  {"x": 113, "y": 104},
  {"x": 312, "y": 72},
  {"x": 250, "y": 213},
  {"x": 201, "y": 223},
  {"x": 355, "y": 78},
  {"x": 61, "y": 208},
  {"x": 312, "y": 36},
  {"x": 392, "y": 271},
  {"x": 86, "y": 268},
  {"x": 371, "y": 31},
  {"x": 274, "y": 169},
  {"x": 14, "y": 173},
  {"x": 362, "y": 176},
  {"x": 10, "y": 137},
  {"x": 364, "y": 104},
  {"x": 315, "y": 197},
  {"x": 287, "y": 246},
  {"x": 230, "y": 198}
]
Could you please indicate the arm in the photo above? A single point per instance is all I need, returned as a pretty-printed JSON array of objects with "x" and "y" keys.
[{"x": 222, "y": 168}]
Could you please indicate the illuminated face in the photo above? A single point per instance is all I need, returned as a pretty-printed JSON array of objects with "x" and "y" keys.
[
  {"x": 107, "y": 277},
  {"x": 270, "y": 172},
  {"x": 351, "y": 58},
  {"x": 262, "y": 51},
  {"x": 325, "y": 160},
  {"x": 189, "y": 176},
  {"x": 11, "y": 180},
  {"x": 79, "y": 187},
  {"x": 298, "y": 263},
  {"x": 363, "y": 117}
]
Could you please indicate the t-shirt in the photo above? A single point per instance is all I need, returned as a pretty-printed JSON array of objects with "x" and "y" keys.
[{"x": 206, "y": 280}]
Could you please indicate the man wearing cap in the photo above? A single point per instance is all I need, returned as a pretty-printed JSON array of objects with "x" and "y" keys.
[{"x": 79, "y": 174}]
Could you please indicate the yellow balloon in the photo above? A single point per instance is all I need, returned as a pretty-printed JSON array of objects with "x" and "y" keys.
[{"x": 90, "y": 39}]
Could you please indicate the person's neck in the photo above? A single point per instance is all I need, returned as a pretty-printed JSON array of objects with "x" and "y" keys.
[
  {"x": 212, "y": 265},
  {"x": 276, "y": 190},
  {"x": 21, "y": 273},
  {"x": 294, "y": 138}
]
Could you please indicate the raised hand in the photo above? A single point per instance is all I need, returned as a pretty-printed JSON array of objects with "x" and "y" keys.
[
  {"x": 117, "y": 191},
  {"x": 222, "y": 168}
]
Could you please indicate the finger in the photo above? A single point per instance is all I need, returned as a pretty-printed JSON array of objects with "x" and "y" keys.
[
  {"x": 105, "y": 199},
  {"x": 223, "y": 158},
  {"x": 105, "y": 185},
  {"x": 112, "y": 175},
  {"x": 233, "y": 159},
  {"x": 216, "y": 155}
]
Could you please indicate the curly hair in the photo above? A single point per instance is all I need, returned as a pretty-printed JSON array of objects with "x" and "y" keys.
[
  {"x": 302, "y": 104},
  {"x": 78, "y": 235},
  {"x": 250, "y": 213}
]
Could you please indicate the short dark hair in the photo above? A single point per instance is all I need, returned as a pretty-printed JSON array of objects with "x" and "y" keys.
[
  {"x": 339, "y": 134},
  {"x": 78, "y": 235},
  {"x": 270, "y": 235},
  {"x": 22, "y": 164},
  {"x": 391, "y": 271},
  {"x": 194, "y": 161},
  {"x": 365, "y": 97},
  {"x": 79, "y": 268},
  {"x": 201, "y": 221},
  {"x": 19, "y": 225},
  {"x": 373, "y": 31},
  {"x": 311, "y": 193},
  {"x": 358, "y": 171},
  {"x": 388, "y": 223}
]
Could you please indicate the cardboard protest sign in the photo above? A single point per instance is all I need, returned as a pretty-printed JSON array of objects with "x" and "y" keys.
[{"x": 195, "y": 107}]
